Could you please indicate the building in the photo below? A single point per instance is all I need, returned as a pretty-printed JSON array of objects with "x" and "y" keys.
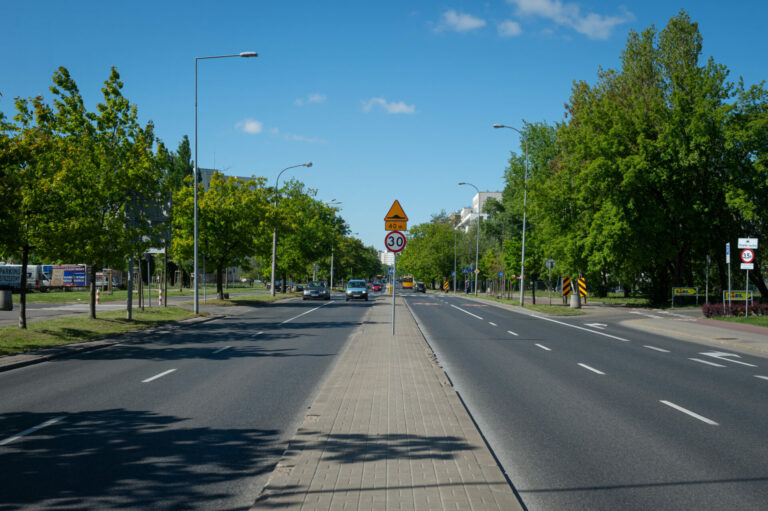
[
  {"x": 386, "y": 257},
  {"x": 469, "y": 215}
]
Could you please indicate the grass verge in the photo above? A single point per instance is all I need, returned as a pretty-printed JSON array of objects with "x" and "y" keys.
[
  {"x": 248, "y": 300},
  {"x": 752, "y": 320},
  {"x": 551, "y": 310},
  {"x": 119, "y": 294},
  {"x": 43, "y": 334}
]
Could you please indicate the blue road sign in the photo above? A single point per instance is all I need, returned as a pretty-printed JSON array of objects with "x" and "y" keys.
[
  {"x": 501, "y": 274},
  {"x": 465, "y": 270},
  {"x": 453, "y": 274}
]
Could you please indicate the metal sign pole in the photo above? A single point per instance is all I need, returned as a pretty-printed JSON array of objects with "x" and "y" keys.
[
  {"x": 394, "y": 291},
  {"x": 746, "y": 296}
]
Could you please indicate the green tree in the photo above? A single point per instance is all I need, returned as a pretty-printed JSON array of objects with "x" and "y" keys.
[{"x": 231, "y": 222}]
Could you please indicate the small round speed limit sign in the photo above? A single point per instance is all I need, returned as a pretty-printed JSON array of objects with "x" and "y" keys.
[
  {"x": 395, "y": 241},
  {"x": 747, "y": 255}
]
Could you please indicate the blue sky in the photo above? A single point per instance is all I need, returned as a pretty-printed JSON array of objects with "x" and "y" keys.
[{"x": 389, "y": 100}]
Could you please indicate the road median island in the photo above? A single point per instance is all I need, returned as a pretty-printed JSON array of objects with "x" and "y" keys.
[{"x": 387, "y": 431}]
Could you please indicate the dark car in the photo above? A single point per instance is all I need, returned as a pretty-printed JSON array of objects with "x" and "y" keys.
[
  {"x": 419, "y": 287},
  {"x": 376, "y": 286},
  {"x": 357, "y": 289},
  {"x": 316, "y": 290}
]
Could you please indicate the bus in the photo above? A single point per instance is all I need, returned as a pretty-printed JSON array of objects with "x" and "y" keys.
[{"x": 407, "y": 282}]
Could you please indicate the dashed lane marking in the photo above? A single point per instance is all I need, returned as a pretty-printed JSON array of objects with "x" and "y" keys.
[
  {"x": 706, "y": 362},
  {"x": 688, "y": 412},
  {"x": 655, "y": 348},
  {"x": 512, "y": 333},
  {"x": 32, "y": 430},
  {"x": 169, "y": 371},
  {"x": 543, "y": 347},
  {"x": 466, "y": 312},
  {"x": 221, "y": 349},
  {"x": 585, "y": 366}
]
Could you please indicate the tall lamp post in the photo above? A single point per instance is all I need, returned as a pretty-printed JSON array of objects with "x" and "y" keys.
[
  {"x": 244, "y": 54},
  {"x": 334, "y": 203},
  {"x": 477, "y": 247},
  {"x": 274, "y": 231},
  {"x": 525, "y": 199}
]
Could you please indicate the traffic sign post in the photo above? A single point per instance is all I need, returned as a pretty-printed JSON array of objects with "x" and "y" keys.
[
  {"x": 728, "y": 261},
  {"x": 395, "y": 241},
  {"x": 749, "y": 245},
  {"x": 396, "y": 219}
]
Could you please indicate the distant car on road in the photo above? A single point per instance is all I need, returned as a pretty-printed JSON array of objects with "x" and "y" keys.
[
  {"x": 316, "y": 290},
  {"x": 419, "y": 287},
  {"x": 376, "y": 286},
  {"x": 357, "y": 289}
]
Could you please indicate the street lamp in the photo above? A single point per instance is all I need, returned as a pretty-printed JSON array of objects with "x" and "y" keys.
[
  {"x": 525, "y": 198},
  {"x": 244, "y": 54},
  {"x": 477, "y": 247},
  {"x": 274, "y": 232},
  {"x": 334, "y": 203}
]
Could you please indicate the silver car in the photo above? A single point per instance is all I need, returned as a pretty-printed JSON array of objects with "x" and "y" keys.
[{"x": 316, "y": 290}]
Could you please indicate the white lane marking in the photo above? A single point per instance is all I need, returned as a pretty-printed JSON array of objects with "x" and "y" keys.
[
  {"x": 585, "y": 366},
  {"x": 169, "y": 371},
  {"x": 222, "y": 349},
  {"x": 599, "y": 326},
  {"x": 582, "y": 328},
  {"x": 466, "y": 312},
  {"x": 706, "y": 362},
  {"x": 543, "y": 347},
  {"x": 761, "y": 377},
  {"x": 511, "y": 332},
  {"x": 722, "y": 355},
  {"x": 688, "y": 412},
  {"x": 647, "y": 315},
  {"x": 32, "y": 430},
  {"x": 303, "y": 313},
  {"x": 655, "y": 348},
  {"x": 492, "y": 323},
  {"x": 257, "y": 333}
]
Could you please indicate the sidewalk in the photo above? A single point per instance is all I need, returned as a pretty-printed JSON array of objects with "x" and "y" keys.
[{"x": 387, "y": 431}]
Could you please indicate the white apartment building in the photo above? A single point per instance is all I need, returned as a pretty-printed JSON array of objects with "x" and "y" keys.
[{"x": 469, "y": 215}]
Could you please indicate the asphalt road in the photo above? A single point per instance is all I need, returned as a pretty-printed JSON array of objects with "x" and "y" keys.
[
  {"x": 189, "y": 418},
  {"x": 584, "y": 414}
]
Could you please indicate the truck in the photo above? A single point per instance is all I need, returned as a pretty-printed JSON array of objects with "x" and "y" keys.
[{"x": 10, "y": 276}]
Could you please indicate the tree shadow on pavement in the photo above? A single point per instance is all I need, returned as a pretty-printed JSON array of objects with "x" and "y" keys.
[{"x": 120, "y": 458}]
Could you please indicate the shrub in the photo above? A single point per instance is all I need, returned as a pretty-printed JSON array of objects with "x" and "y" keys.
[{"x": 735, "y": 309}]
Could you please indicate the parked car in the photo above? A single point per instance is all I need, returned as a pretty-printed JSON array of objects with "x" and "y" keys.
[
  {"x": 316, "y": 290},
  {"x": 357, "y": 289},
  {"x": 376, "y": 286},
  {"x": 419, "y": 287}
]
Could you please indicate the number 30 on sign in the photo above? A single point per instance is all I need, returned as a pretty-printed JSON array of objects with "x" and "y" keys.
[{"x": 395, "y": 241}]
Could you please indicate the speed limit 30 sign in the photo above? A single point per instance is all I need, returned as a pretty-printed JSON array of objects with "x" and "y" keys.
[{"x": 395, "y": 241}]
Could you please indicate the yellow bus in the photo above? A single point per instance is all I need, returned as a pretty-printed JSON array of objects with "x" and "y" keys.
[{"x": 407, "y": 282}]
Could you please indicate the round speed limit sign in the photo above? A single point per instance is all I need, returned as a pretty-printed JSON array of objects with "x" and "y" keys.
[
  {"x": 395, "y": 241},
  {"x": 747, "y": 255}
]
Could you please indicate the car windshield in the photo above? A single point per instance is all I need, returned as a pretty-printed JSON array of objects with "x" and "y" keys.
[
  {"x": 316, "y": 284},
  {"x": 356, "y": 283}
]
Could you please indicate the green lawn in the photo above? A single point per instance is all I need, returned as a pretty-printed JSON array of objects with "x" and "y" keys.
[
  {"x": 61, "y": 296},
  {"x": 752, "y": 320},
  {"x": 53, "y": 332},
  {"x": 247, "y": 299}
]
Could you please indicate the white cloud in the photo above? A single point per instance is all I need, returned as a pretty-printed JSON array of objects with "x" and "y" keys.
[
  {"x": 594, "y": 26},
  {"x": 392, "y": 107},
  {"x": 509, "y": 28},
  {"x": 459, "y": 22},
  {"x": 315, "y": 97},
  {"x": 250, "y": 126}
]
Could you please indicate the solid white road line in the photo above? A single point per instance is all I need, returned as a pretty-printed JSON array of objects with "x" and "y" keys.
[
  {"x": 257, "y": 333},
  {"x": 303, "y": 313},
  {"x": 492, "y": 323},
  {"x": 706, "y": 362},
  {"x": 222, "y": 349},
  {"x": 761, "y": 377},
  {"x": 655, "y": 348},
  {"x": 169, "y": 371},
  {"x": 32, "y": 430},
  {"x": 543, "y": 347},
  {"x": 585, "y": 366},
  {"x": 688, "y": 412},
  {"x": 511, "y": 332},
  {"x": 466, "y": 312}
]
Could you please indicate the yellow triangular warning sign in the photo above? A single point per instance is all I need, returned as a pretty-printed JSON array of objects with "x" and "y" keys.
[{"x": 396, "y": 213}]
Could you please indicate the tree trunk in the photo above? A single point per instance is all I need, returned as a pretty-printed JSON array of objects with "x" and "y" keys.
[
  {"x": 92, "y": 300},
  {"x": 533, "y": 292},
  {"x": 284, "y": 286},
  {"x": 219, "y": 287},
  {"x": 23, "y": 291}
]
